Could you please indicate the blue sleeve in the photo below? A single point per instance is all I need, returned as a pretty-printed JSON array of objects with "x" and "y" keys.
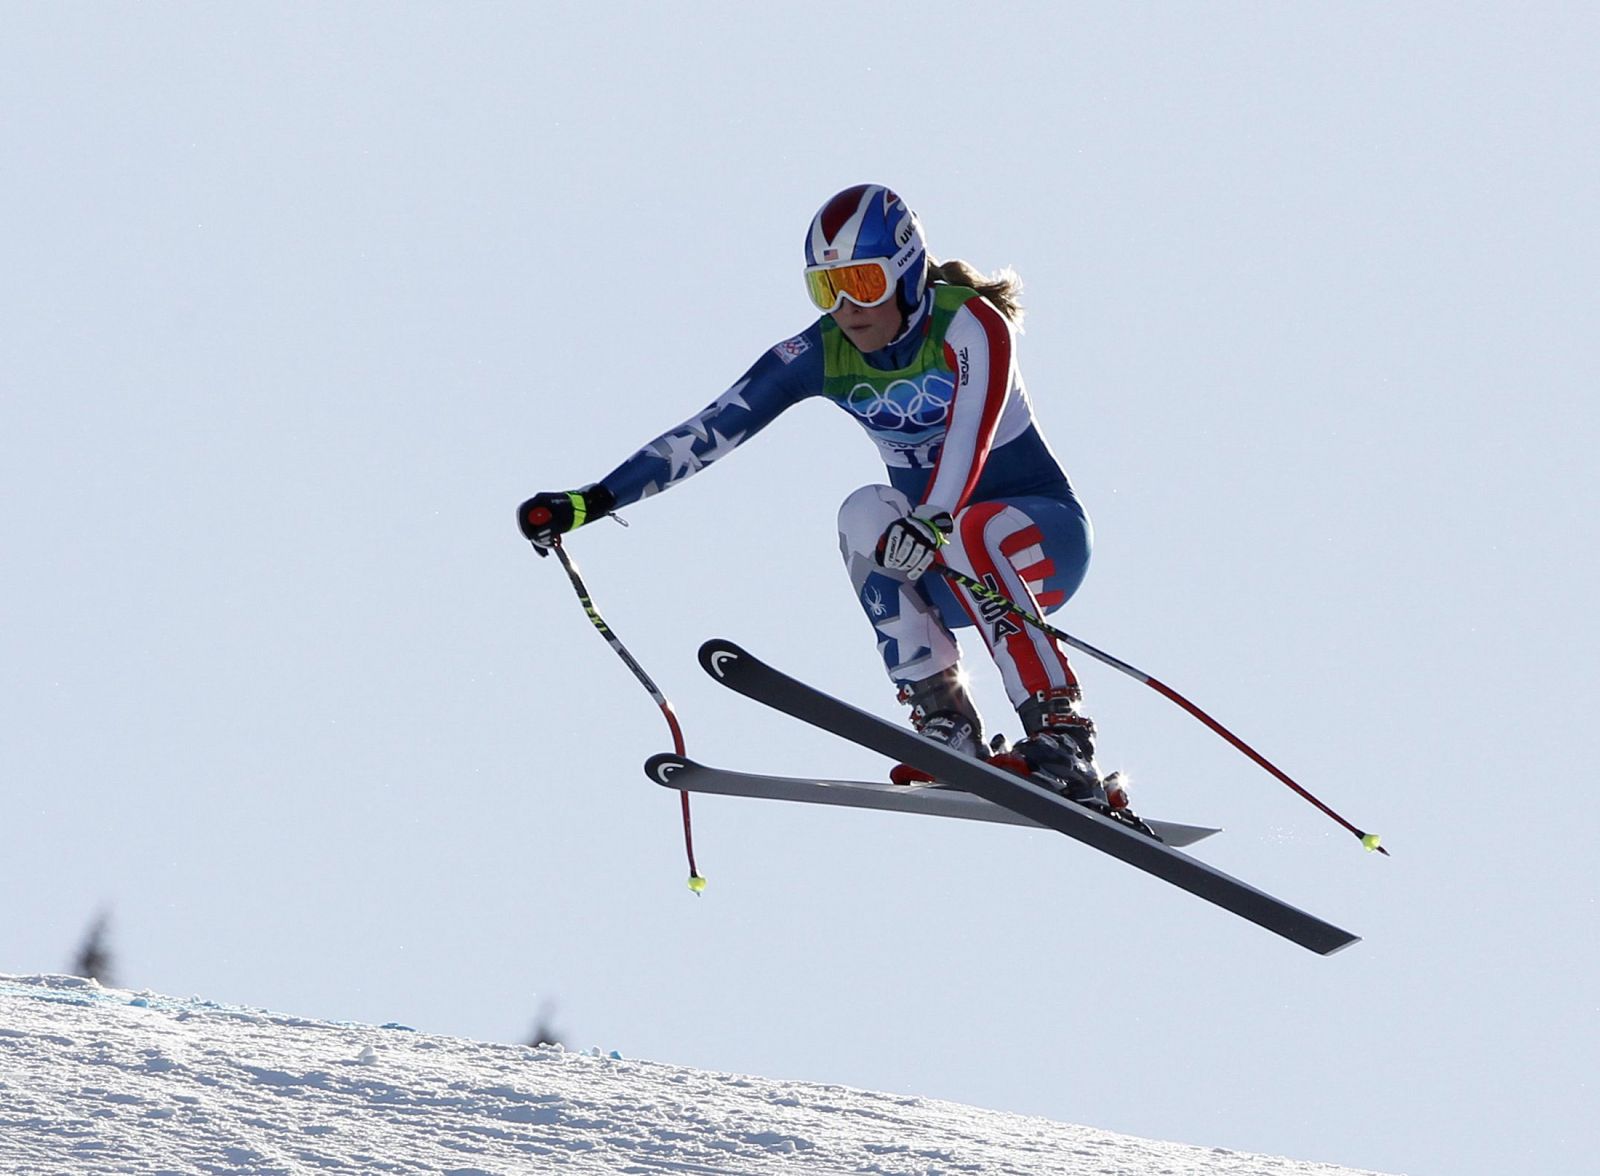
[{"x": 782, "y": 377}]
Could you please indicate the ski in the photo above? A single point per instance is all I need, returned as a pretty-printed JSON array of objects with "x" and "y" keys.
[
  {"x": 937, "y": 800},
  {"x": 748, "y": 675}
]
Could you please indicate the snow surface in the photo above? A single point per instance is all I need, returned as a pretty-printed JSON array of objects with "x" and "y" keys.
[{"x": 98, "y": 1080}]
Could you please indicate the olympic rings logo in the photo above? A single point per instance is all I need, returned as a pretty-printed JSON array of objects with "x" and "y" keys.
[{"x": 903, "y": 405}]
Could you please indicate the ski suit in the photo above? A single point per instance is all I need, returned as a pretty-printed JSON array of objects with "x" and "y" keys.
[{"x": 946, "y": 406}]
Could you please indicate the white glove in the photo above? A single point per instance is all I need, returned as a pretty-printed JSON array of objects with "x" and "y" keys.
[{"x": 911, "y": 542}]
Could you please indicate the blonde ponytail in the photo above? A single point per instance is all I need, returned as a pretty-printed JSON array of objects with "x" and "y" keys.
[{"x": 1003, "y": 289}]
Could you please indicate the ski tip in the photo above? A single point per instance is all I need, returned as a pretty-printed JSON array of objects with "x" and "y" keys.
[
  {"x": 661, "y": 768},
  {"x": 717, "y": 654}
]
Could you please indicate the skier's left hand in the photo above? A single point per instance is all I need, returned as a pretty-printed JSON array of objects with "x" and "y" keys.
[{"x": 911, "y": 542}]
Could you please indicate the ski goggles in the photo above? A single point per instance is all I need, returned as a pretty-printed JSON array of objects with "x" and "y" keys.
[{"x": 866, "y": 283}]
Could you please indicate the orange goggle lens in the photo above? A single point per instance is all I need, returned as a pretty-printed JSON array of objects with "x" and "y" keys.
[{"x": 866, "y": 283}]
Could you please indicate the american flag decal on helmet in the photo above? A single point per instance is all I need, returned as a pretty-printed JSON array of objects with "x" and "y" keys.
[{"x": 834, "y": 232}]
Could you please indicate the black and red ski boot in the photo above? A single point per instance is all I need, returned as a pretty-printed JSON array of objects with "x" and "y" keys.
[
  {"x": 941, "y": 709},
  {"x": 1057, "y": 751}
]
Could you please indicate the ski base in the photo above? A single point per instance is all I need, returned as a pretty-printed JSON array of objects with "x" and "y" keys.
[
  {"x": 936, "y": 800},
  {"x": 748, "y": 675}
]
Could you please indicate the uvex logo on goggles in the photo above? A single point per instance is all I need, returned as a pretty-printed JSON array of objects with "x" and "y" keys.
[{"x": 866, "y": 283}]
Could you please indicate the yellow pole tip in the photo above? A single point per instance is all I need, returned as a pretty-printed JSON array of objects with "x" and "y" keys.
[
  {"x": 697, "y": 883},
  {"x": 1372, "y": 841}
]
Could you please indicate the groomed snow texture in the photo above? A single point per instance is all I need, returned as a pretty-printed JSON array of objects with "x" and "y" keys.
[{"x": 98, "y": 1080}]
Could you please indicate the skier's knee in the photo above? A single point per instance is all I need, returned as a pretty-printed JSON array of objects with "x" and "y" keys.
[{"x": 865, "y": 514}]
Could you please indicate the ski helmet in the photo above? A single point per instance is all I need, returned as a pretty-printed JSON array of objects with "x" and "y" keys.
[{"x": 870, "y": 223}]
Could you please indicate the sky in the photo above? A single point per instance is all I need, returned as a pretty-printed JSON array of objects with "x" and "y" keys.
[{"x": 298, "y": 303}]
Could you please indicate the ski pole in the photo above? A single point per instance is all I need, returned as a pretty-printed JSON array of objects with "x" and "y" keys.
[
  {"x": 984, "y": 592},
  {"x": 696, "y": 882}
]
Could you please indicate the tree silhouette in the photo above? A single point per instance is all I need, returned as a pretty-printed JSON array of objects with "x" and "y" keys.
[
  {"x": 94, "y": 955},
  {"x": 544, "y": 1032}
]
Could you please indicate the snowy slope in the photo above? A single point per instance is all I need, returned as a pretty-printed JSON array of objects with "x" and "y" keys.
[{"x": 96, "y": 1080}]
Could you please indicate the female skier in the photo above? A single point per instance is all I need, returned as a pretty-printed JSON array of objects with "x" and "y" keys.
[{"x": 923, "y": 356}]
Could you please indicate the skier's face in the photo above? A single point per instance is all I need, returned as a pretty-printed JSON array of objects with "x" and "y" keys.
[{"x": 870, "y": 328}]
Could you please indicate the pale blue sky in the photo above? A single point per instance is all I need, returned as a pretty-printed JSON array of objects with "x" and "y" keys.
[{"x": 298, "y": 302}]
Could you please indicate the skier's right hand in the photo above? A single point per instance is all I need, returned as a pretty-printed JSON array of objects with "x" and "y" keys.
[{"x": 545, "y": 517}]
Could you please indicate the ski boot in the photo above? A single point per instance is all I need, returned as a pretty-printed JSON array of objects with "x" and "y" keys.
[
  {"x": 1057, "y": 748},
  {"x": 941, "y": 709},
  {"x": 1116, "y": 786},
  {"x": 1057, "y": 751}
]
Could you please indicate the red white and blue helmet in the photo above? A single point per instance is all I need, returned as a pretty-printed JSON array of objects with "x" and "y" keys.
[{"x": 870, "y": 223}]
